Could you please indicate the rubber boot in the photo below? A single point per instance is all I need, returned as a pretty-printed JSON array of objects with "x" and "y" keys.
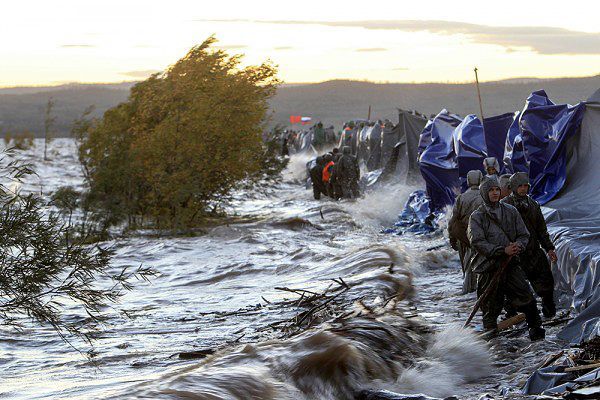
[
  {"x": 537, "y": 333},
  {"x": 549, "y": 309}
]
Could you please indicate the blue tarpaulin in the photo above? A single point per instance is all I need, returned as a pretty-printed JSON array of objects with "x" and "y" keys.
[
  {"x": 545, "y": 128},
  {"x": 532, "y": 141},
  {"x": 416, "y": 217},
  {"x": 496, "y": 130},
  {"x": 514, "y": 152},
  {"x": 437, "y": 160},
  {"x": 473, "y": 143},
  {"x": 469, "y": 147}
]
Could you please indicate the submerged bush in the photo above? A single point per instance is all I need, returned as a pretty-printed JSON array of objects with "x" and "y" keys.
[{"x": 186, "y": 137}]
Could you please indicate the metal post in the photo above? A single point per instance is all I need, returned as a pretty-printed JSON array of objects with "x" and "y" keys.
[{"x": 479, "y": 96}]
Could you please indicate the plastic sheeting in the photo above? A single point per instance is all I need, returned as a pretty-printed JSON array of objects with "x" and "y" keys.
[
  {"x": 411, "y": 126},
  {"x": 553, "y": 380},
  {"x": 474, "y": 142},
  {"x": 363, "y": 143},
  {"x": 386, "y": 395},
  {"x": 584, "y": 327},
  {"x": 545, "y": 128},
  {"x": 495, "y": 131},
  {"x": 545, "y": 378},
  {"x": 416, "y": 217},
  {"x": 470, "y": 147},
  {"x": 573, "y": 219},
  {"x": 390, "y": 136},
  {"x": 532, "y": 141},
  {"x": 437, "y": 159},
  {"x": 374, "y": 147},
  {"x": 514, "y": 150}
]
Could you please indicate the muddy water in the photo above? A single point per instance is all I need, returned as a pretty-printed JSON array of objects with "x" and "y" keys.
[{"x": 218, "y": 292}]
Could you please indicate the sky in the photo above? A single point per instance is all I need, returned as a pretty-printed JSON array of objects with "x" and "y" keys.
[{"x": 60, "y": 41}]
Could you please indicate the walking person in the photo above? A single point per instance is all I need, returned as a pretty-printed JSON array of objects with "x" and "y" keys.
[
  {"x": 498, "y": 235},
  {"x": 464, "y": 206},
  {"x": 539, "y": 248}
]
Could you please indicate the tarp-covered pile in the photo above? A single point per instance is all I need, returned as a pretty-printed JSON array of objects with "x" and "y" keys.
[
  {"x": 573, "y": 218},
  {"x": 532, "y": 141},
  {"x": 437, "y": 159}
]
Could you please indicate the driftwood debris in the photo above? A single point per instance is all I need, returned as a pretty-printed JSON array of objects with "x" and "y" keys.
[
  {"x": 582, "y": 367},
  {"x": 194, "y": 355},
  {"x": 551, "y": 359},
  {"x": 510, "y": 322}
]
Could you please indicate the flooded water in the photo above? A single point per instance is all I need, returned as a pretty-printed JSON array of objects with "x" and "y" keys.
[{"x": 391, "y": 321}]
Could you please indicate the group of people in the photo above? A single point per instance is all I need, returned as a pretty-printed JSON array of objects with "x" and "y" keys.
[
  {"x": 336, "y": 175},
  {"x": 496, "y": 225}
]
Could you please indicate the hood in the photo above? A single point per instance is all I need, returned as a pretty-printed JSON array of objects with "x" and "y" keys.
[
  {"x": 346, "y": 150},
  {"x": 474, "y": 178},
  {"x": 504, "y": 181},
  {"x": 491, "y": 162},
  {"x": 518, "y": 179},
  {"x": 485, "y": 186}
]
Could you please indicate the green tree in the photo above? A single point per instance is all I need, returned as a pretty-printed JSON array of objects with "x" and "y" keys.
[{"x": 182, "y": 142}]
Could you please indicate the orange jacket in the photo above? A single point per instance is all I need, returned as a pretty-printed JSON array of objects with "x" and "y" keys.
[{"x": 327, "y": 171}]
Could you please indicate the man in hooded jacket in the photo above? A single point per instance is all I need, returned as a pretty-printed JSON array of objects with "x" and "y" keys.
[
  {"x": 464, "y": 206},
  {"x": 491, "y": 166},
  {"x": 347, "y": 174},
  {"x": 496, "y": 232},
  {"x": 534, "y": 261},
  {"x": 504, "y": 181}
]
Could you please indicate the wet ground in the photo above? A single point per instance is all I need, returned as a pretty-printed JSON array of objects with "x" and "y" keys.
[{"x": 218, "y": 291}]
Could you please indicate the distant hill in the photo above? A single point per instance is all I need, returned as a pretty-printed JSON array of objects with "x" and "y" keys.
[
  {"x": 23, "y": 108},
  {"x": 338, "y": 101},
  {"x": 332, "y": 102}
]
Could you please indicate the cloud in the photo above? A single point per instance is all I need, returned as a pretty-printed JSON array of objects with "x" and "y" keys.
[
  {"x": 77, "y": 46},
  {"x": 232, "y": 47},
  {"x": 540, "y": 39},
  {"x": 400, "y": 69},
  {"x": 280, "y": 48},
  {"x": 140, "y": 74},
  {"x": 370, "y": 49}
]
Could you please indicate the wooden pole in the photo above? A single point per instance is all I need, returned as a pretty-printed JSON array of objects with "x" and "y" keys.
[
  {"x": 491, "y": 287},
  {"x": 479, "y": 96},
  {"x": 369, "y": 115}
]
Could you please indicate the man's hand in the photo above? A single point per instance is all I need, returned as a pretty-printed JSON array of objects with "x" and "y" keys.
[
  {"x": 512, "y": 249},
  {"x": 552, "y": 255}
]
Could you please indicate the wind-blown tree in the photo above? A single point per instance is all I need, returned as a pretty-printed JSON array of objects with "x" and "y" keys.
[
  {"x": 182, "y": 142},
  {"x": 45, "y": 269}
]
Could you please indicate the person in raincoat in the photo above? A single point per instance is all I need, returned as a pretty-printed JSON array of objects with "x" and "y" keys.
[
  {"x": 539, "y": 248},
  {"x": 498, "y": 234},
  {"x": 504, "y": 181},
  {"x": 491, "y": 166},
  {"x": 464, "y": 206},
  {"x": 347, "y": 174}
]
